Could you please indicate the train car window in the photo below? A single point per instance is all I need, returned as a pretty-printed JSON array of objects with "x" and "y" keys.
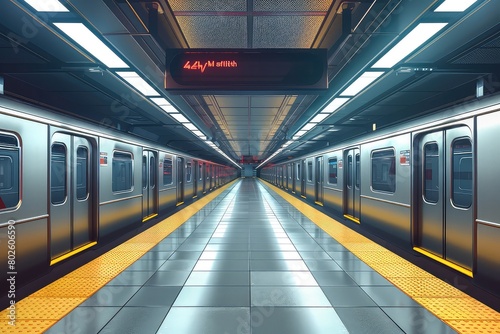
[
  {"x": 58, "y": 174},
  {"x": 82, "y": 172},
  {"x": 144, "y": 172},
  {"x": 122, "y": 176},
  {"x": 152, "y": 172},
  {"x": 462, "y": 173},
  {"x": 298, "y": 171},
  {"x": 431, "y": 176},
  {"x": 384, "y": 170},
  {"x": 349, "y": 171},
  {"x": 9, "y": 171},
  {"x": 310, "y": 171},
  {"x": 188, "y": 172},
  {"x": 200, "y": 171},
  {"x": 289, "y": 172},
  {"x": 167, "y": 172},
  {"x": 332, "y": 170},
  {"x": 358, "y": 172}
]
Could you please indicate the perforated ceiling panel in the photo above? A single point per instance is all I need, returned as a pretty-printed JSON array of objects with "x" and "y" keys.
[
  {"x": 287, "y": 31},
  {"x": 292, "y": 5},
  {"x": 210, "y": 5}
]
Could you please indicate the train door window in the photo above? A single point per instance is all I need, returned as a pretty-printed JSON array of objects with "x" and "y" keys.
[
  {"x": 431, "y": 177},
  {"x": 188, "y": 172},
  {"x": 332, "y": 170},
  {"x": 9, "y": 171},
  {"x": 152, "y": 172},
  {"x": 358, "y": 172},
  {"x": 122, "y": 178},
  {"x": 144, "y": 172},
  {"x": 58, "y": 174},
  {"x": 167, "y": 172},
  {"x": 310, "y": 171},
  {"x": 82, "y": 173},
  {"x": 298, "y": 171},
  {"x": 384, "y": 170},
  {"x": 200, "y": 172},
  {"x": 462, "y": 173},
  {"x": 349, "y": 171}
]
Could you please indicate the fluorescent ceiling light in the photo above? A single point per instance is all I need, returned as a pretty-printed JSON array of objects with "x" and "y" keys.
[
  {"x": 308, "y": 127},
  {"x": 319, "y": 117},
  {"x": 47, "y": 5},
  {"x": 190, "y": 126},
  {"x": 164, "y": 104},
  {"x": 335, "y": 104},
  {"x": 300, "y": 133},
  {"x": 138, "y": 83},
  {"x": 90, "y": 42},
  {"x": 199, "y": 133},
  {"x": 360, "y": 83},
  {"x": 180, "y": 118},
  {"x": 418, "y": 36},
  {"x": 455, "y": 5}
]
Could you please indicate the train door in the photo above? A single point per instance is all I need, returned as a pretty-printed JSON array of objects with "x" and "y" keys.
[
  {"x": 294, "y": 177},
  {"x": 444, "y": 203},
  {"x": 318, "y": 189},
  {"x": 72, "y": 226},
  {"x": 180, "y": 181},
  {"x": 196, "y": 173},
  {"x": 149, "y": 187},
  {"x": 352, "y": 182},
  {"x": 204, "y": 173},
  {"x": 303, "y": 179}
]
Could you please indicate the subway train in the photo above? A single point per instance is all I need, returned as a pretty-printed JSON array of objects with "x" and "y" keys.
[
  {"x": 428, "y": 186},
  {"x": 67, "y": 185}
]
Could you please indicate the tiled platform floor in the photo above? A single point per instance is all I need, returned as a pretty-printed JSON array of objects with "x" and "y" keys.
[{"x": 249, "y": 262}]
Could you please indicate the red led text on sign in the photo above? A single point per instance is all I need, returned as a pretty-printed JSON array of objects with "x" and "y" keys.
[{"x": 201, "y": 66}]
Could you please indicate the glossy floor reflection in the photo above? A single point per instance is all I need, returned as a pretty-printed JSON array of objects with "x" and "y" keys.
[{"x": 249, "y": 262}]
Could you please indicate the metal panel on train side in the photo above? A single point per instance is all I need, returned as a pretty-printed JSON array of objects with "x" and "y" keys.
[
  {"x": 31, "y": 210},
  {"x": 167, "y": 189},
  {"x": 488, "y": 210},
  {"x": 386, "y": 211},
  {"x": 119, "y": 209},
  {"x": 333, "y": 182},
  {"x": 188, "y": 181}
]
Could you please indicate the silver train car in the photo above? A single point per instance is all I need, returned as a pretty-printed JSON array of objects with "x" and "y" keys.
[
  {"x": 428, "y": 186},
  {"x": 66, "y": 186}
]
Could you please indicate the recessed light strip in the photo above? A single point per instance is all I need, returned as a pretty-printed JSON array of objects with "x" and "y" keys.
[{"x": 47, "y": 5}]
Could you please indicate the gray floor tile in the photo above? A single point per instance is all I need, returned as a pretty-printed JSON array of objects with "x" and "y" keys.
[
  {"x": 224, "y": 255},
  {"x": 190, "y": 320},
  {"x": 156, "y": 256},
  {"x": 354, "y": 265},
  {"x": 322, "y": 265},
  {"x": 333, "y": 278},
  {"x": 221, "y": 265},
  {"x": 417, "y": 320},
  {"x": 269, "y": 255},
  {"x": 223, "y": 296},
  {"x": 368, "y": 278},
  {"x": 131, "y": 278},
  {"x": 112, "y": 295},
  {"x": 181, "y": 265},
  {"x": 389, "y": 296},
  {"x": 168, "y": 278},
  {"x": 84, "y": 320},
  {"x": 367, "y": 320},
  {"x": 319, "y": 255},
  {"x": 347, "y": 296},
  {"x": 185, "y": 255},
  {"x": 274, "y": 265},
  {"x": 283, "y": 278},
  {"x": 297, "y": 320},
  {"x": 154, "y": 296},
  {"x": 144, "y": 320},
  {"x": 218, "y": 278},
  {"x": 288, "y": 296}
]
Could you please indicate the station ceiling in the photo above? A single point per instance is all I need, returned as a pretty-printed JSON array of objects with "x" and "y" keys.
[{"x": 41, "y": 64}]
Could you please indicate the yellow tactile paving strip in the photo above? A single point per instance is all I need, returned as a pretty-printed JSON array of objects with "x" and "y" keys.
[
  {"x": 460, "y": 311},
  {"x": 42, "y": 309}
]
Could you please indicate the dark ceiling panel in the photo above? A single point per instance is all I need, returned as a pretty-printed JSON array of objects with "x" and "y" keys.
[
  {"x": 55, "y": 82},
  {"x": 291, "y": 5},
  {"x": 214, "y": 31},
  {"x": 287, "y": 31},
  {"x": 208, "y": 6}
]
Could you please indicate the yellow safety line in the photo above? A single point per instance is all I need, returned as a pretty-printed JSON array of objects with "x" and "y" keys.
[
  {"x": 73, "y": 252},
  {"x": 460, "y": 311},
  {"x": 42, "y": 309},
  {"x": 443, "y": 261}
]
